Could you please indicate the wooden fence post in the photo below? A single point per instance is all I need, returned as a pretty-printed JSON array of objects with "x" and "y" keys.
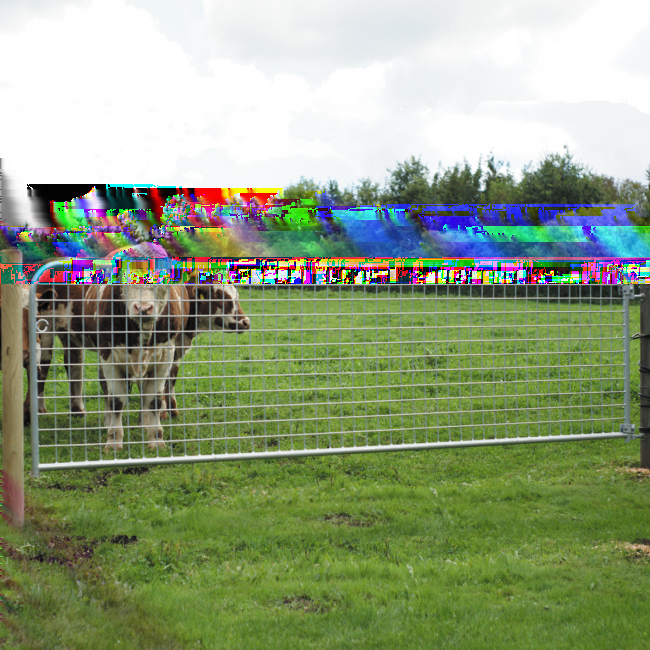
[
  {"x": 644, "y": 382},
  {"x": 13, "y": 464}
]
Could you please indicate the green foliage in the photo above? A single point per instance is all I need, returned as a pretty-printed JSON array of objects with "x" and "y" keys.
[
  {"x": 558, "y": 179},
  {"x": 367, "y": 192},
  {"x": 499, "y": 188},
  {"x": 304, "y": 190},
  {"x": 408, "y": 183},
  {"x": 636, "y": 193},
  {"x": 456, "y": 185},
  {"x": 334, "y": 196}
]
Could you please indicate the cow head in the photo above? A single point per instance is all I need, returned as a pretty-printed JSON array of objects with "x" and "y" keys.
[
  {"x": 217, "y": 308},
  {"x": 145, "y": 302}
]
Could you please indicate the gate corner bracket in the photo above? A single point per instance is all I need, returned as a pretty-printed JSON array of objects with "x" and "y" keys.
[
  {"x": 628, "y": 430},
  {"x": 627, "y": 291}
]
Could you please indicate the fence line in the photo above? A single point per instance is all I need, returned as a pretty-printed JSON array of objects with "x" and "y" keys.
[{"x": 351, "y": 369}]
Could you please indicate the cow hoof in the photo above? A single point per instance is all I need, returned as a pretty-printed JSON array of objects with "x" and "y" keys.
[
  {"x": 77, "y": 410},
  {"x": 112, "y": 446},
  {"x": 153, "y": 444},
  {"x": 42, "y": 410}
]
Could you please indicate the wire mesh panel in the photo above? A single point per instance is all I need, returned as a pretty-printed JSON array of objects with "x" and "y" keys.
[{"x": 335, "y": 369}]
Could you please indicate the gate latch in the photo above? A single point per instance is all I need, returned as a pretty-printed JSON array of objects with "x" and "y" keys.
[
  {"x": 42, "y": 325},
  {"x": 627, "y": 291},
  {"x": 628, "y": 430}
]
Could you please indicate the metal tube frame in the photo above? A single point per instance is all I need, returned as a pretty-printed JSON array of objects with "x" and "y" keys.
[{"x": 397, "y": 425}]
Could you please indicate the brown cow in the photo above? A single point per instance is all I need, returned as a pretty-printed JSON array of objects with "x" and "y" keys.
[
  {"x": 213, "y": 307},
  {"x": 134, "y": 328},
  {"x": 42, "y": 340}
]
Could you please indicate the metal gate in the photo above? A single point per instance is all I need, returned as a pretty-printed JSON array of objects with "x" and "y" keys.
[{"x": 339, "y": 369}]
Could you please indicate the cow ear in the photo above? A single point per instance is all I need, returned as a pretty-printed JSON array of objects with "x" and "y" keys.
[{"x": 46, "y": 300}]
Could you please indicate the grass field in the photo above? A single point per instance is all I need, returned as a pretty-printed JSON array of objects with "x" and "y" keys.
[{"x": 533, "y": 546}]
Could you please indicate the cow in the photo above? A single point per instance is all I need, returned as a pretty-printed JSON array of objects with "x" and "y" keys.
[
  {"x": 134, "y": 328},
  {"x": 43, "y": 340},
  {"x": 137, "y": 327},
  {"x": 212, "y": 307},
  {"x": 64, "y": 308}
]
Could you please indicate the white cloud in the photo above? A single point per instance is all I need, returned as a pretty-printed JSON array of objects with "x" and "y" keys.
[{"x": 254, "y": 93}]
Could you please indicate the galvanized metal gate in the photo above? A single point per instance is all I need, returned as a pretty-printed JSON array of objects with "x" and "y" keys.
[{"x": 339, "y": 369}]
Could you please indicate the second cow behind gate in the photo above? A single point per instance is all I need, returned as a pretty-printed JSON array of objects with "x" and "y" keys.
[{"x": 213, "y": 307}]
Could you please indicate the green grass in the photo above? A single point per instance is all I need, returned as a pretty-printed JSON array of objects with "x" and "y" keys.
[{"x": 504, "y": 547}]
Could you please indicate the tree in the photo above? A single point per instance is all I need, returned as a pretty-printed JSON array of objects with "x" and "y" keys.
[
  {"x": 302, "y": 191},
  {"x": 636, "y": 193},
  {"x": 608, "y": 187},
  {"x": 558, "y": 180},
  {"x": 499, "y": 188},
  {"x": 333, "y": 196},
  {"x": 456, "y": 185},
  {"x": 408, "y": 183},
  {"x": 367, "y": 192}
]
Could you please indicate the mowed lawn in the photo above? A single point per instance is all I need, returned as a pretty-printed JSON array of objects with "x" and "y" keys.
[{"x": 535, "y": 546}]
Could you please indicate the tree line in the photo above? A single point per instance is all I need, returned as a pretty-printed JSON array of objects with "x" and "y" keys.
[{"x": 556, "y": 179}]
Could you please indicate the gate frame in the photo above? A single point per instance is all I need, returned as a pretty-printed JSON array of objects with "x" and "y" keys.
[{"x": 626, "y": 431}]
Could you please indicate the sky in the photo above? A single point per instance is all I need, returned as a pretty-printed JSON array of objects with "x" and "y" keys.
[{"x": 257, "y": 93}]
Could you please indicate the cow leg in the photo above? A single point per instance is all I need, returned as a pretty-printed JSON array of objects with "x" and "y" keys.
[
  {"x": 45, "y": 343},
  {"x": 153, "y": 387},
  {"x": 47, "y": 352},
  {"x": 170, "y": 396},
  {"x": 182, "y": 348},
  {"x": 73, "y": 358},
  {"x": 116, "y": 398}
]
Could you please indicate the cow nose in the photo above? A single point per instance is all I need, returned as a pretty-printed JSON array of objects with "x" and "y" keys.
[
  {"x": 143, "y": 309},
  {"x": 241, "y": 325}
]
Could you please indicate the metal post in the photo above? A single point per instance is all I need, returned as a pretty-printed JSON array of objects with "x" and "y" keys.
[
  {"x": 644, "y": 383},
  {"x": 12, "y": 393}
]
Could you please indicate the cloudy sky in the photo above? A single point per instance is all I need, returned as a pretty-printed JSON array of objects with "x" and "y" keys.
[{"x": 258, "y": 93}]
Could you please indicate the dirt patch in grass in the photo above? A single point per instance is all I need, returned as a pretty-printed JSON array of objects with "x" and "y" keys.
[
  {"x": 123, "y": 539},
  {"x": 638, "y": 550},
  {"x": 639, "y": 472},
  {"x": 348, "y": 520},
  {"x": 305, "y": 604},
  {"x": 57, "y": 549},
  {"x": 62, "y": 549},
  {"x": 137, "y": 470},
  {"x": 97, "y": 479}
]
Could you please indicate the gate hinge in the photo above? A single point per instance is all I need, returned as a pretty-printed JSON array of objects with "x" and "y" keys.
[
  {"x": 627, "y": 291},
  {"x": 628, "y": 430}
]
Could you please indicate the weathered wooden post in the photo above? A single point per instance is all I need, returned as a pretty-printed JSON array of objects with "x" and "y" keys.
[
  {"x": 644, "y": 383},
  {"x": 13, "y": 466}
]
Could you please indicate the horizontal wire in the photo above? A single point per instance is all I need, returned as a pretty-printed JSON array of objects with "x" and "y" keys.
[
  {"x": 357, "y": 416},
  {"x": 295, "y": 436}
]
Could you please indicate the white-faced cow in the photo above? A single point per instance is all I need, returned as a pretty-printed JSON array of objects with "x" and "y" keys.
[{"x": 137, "y": 326}]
